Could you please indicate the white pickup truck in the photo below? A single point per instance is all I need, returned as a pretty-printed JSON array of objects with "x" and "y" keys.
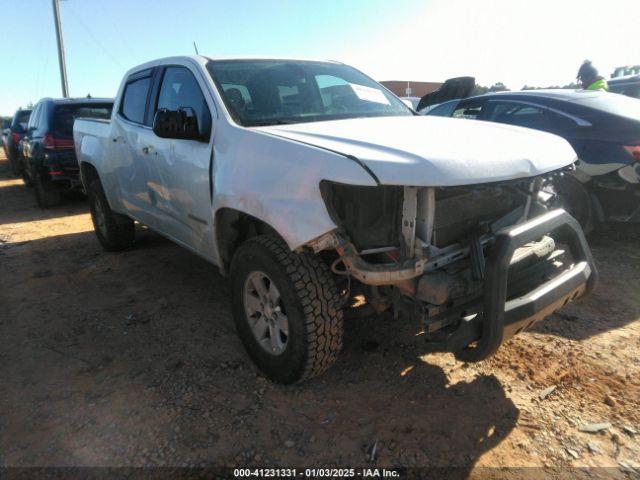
[{"x": 314, "y": 187}]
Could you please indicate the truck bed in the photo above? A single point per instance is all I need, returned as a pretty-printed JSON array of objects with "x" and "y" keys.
[{"x": 91, "y": 139}]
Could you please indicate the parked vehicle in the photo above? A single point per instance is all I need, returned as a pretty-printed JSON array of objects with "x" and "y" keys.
[
  {"x": 629, "y": 85},
  {"x": 6, "y": 125},
  {"x": 11, "y": 137},
  {"x": 626, "y": 71},
  {"x": 49, "y": 160},
  {"x": 308, "y": 183},
  {"x": 602, "y": 127}
]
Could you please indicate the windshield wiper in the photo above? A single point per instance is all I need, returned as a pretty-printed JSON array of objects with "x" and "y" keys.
[{"x": 266, "y": 123}]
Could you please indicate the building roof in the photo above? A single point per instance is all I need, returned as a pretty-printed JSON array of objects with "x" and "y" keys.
[{"x": 418, "y": 89}]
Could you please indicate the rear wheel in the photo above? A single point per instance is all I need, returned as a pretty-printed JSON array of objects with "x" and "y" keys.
[
  {"x": 14, "y": 162},
  {"x": 114, "y": 231},
  {"x": 26, "y": 178},
  {"x": 286, "y": 309},
  {"x": 44, "y": 198}
]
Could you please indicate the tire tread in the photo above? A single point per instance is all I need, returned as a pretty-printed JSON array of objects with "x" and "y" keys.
[
  {"x": 121, "y": 229},
  {"x": 315, "y": 287}
]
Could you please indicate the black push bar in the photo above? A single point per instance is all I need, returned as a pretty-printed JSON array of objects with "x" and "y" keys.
[{"x": 501, "y": 318}]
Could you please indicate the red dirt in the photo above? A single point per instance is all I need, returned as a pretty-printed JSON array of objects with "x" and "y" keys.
[{"x": 131, "y": 359}]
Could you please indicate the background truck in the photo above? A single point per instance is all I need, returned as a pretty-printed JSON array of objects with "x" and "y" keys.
[{"x": 309, "y": 184}]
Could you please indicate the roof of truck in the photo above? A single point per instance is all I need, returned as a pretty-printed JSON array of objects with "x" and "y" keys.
[
  {"x": 70, "y": 101},
  {"x": 203, "y": 59},
  {"x": 275, "y": 57}
]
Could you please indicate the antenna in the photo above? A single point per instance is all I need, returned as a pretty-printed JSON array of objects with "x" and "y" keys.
[{"x": 195, "y": 47}]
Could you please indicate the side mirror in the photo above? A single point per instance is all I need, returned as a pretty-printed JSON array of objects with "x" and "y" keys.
[
  {"x": 6, "y": 123},
  {"x": 181, "y": 124}
]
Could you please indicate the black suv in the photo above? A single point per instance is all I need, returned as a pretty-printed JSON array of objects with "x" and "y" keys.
[
  {"x": 49, "y": 158},
  {"x": 11, "y": 137}
]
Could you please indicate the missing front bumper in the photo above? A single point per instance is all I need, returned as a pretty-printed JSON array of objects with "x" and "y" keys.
[{"x": 479, "y": 336}]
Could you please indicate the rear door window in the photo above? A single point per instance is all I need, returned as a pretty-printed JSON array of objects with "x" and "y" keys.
[
  {"x": 470, "y": 110},
  {"x": 519, "y": 114},
  {"x": 65, "y": 115},
  {"x": 445, "y": 109},
  {"x": 134, "y": 98},
  {"x": 561, "y": 123}
]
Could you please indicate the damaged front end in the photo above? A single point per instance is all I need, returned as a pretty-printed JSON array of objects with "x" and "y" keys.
[{"x": 476, "y": 264}]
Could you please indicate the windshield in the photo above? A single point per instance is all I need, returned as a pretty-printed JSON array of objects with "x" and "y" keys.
[{"x": 272, "y": 92}]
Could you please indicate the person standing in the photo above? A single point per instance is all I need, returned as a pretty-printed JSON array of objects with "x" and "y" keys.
[{"x": 589, "y": 78}]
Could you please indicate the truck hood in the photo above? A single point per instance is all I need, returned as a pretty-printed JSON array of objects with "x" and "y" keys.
[{"x": 435, "y": 151}]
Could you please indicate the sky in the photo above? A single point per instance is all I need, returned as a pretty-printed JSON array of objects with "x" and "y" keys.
[{"x": 517, "y": 42}]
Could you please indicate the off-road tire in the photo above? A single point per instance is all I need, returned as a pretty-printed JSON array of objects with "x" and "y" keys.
[
  {"x": 308, "y": 292},
  {"x": 575, "y": 199},
  {"x": 117, "y": 231},
  {"x": 44, "y": 198}
]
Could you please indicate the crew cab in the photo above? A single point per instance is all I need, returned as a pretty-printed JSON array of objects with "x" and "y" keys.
[{"x": 310, "y": 185}]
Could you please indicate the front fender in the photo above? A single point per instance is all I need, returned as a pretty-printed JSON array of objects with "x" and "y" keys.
[{"x": 277, "y": 181}]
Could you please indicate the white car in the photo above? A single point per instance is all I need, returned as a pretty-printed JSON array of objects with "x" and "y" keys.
[{"x": 309, "y": 184}]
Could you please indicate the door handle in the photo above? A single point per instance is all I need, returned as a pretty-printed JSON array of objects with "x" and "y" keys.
[{"x": 147, "y": 150}]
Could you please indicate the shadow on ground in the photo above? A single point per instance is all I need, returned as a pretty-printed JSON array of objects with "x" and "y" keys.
[
  {"x": 132, "y": 359},
  {"x": 19, "y": 205},
  {"x": 616, "y": 300}
]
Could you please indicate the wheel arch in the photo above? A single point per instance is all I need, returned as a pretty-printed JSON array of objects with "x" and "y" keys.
[
  {"x": 232, "y": 228},
  {"x": 88, "y": 173}
]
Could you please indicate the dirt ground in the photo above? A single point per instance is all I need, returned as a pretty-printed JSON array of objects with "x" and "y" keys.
[{"x": 131, "y": 359}]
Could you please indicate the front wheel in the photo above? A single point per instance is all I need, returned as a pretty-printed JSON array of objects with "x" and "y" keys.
[
  {"x": 286, "y": 308},
  {"x": 114, "y": 231}
]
